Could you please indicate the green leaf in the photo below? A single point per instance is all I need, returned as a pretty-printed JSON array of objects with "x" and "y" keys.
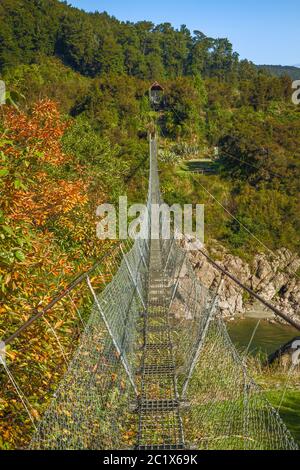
[
  {"x": 19, "y": 185},
  {"x": 4, "y": 172},
  {"x": 5, "y": 142},
  {"x": 9, "y": 231},
  {"x": 39, "y": 154},
  {"x": 19, "y": 255},
  {"x": 3, "y": 157}
]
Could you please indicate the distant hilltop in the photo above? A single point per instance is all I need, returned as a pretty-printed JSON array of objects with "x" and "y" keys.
[{"x": 280, "y": 70}]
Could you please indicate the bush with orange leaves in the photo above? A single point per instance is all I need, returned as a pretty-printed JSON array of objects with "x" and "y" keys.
[
  {"x": 47, "y": 236},
  {"x": 44, "y": 205},
  {"x": 32, "y": 194},
  {"x": 41, "y": 130}
]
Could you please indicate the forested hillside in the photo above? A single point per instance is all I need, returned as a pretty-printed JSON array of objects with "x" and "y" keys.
[
  {"x": 94, "y": 44},
  {"x": 281, "y": 70},
  {"x": 73, "y": 134}
]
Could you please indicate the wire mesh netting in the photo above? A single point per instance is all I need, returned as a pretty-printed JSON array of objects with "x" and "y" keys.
[
  {"x": 199, "y": 393},
  {"x": 191, "y": 308},
  {"x": 155, "y": 367},
  {"x": 227, "y": 409},
  {"x": 90, "y": 409}
]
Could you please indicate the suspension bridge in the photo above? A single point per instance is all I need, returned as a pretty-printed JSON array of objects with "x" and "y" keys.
[{"x": 155, "y": 368}]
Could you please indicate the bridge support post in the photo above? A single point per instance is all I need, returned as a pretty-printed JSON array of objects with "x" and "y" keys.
[
  {"x": 201, "y": 341},
  {"x": 133, "y": 280},
  {"x": 177, "y": 281},
  {"x": 142, "y": 255},
  {"x": 2, "y": 352},
  {"x": 120, "y": 354},
  {"x": 169, "y": 254}
]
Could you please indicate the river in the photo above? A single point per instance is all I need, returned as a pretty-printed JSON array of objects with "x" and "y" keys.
[{"x": 268, "y": 337}]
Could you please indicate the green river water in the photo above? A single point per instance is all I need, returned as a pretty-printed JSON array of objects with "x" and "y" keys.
[{"x": 267, "y": 339}]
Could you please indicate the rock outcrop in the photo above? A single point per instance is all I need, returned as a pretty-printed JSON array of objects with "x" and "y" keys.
[{"x": 271, "y": 276}]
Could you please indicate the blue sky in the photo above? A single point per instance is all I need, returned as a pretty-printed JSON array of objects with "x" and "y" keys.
[{"x": 264, "y": 31}]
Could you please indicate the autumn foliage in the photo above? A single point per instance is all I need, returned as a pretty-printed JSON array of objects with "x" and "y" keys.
[{"x": 47, "y": 236}]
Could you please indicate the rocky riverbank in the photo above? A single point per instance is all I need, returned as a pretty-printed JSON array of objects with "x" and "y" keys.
[{"x": 271, "y": 276}]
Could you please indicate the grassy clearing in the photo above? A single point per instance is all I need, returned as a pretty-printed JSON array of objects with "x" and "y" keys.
[{"x": 289, "y": 409}]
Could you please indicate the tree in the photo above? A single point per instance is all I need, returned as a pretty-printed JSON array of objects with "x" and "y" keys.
[
  {"x": 185, "y": 102},
  {"x": 259, "y": 148}
]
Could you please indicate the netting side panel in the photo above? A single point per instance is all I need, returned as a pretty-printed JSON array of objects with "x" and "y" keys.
[
  {"x": 228, "y": 410},
  {"x": 90, "y": 409},
  {"x": 93, "y": 395},
  {"x": 190, "y": 308}
]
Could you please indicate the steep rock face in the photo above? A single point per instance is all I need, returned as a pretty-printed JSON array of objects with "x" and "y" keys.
[{"x": 271, "y": 276}]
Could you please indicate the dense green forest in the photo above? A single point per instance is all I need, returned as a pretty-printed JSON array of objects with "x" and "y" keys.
[
  {"x": 74, "y": 134},
  {"x": 280, "y": 70},
  {"x": 95, "y": 43}
]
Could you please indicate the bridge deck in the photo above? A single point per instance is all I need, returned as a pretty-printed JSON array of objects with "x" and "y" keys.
[{"x": 160, "y": 425}]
